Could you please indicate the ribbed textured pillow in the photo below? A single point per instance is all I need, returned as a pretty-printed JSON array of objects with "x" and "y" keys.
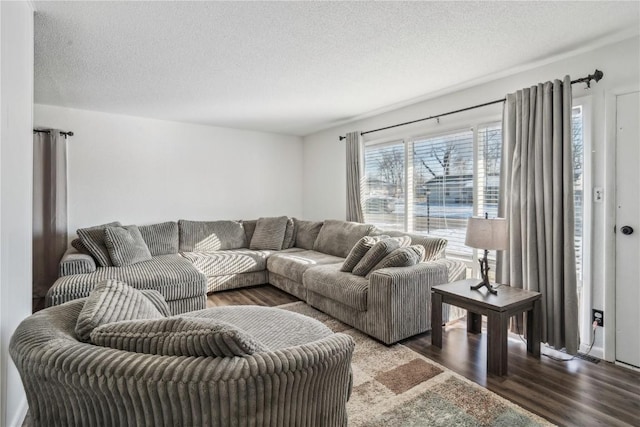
[
  {"x": 249, "y": 227},
  {"x": 359, "y": 250},
  {"x": 306, "y": 233},
  {"x": 157, "y": 300},
  {"x": 113, "y": 301},
  {"x": 289, "y": 235},
  {"x": 93, "y": 239},
  {"x": 178, "y": 336},
  {"x": 403, "y": 240},
  {"x": 126, "y": 245},
  {"x": 338, "y": 237},
  {"x": 162, "y": 238},
  {"x": 269, "y": 233},
  {"x": 211, "y": 236},
  {"x": 380, "y": 250},
  {"x": 77, "y": 244},
  {"x": 401, "y": 257}
]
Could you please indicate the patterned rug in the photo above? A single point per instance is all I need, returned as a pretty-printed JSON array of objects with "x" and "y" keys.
[{"x": 395, "y": 386}]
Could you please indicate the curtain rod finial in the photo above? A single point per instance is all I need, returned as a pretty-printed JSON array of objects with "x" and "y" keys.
[
  {"x": 598, "y": 75},
  {"x": 340, "y": 138}
]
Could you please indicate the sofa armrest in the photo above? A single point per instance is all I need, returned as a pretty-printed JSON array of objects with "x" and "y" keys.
[
  {"x": 400, "y": 297},
  {"x": 73, "y": 262}
]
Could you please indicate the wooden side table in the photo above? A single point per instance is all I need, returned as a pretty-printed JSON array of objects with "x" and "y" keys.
[{"x": 498, "y": 309}]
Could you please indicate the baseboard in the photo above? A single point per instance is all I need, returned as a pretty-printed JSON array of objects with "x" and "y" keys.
[
  {"x": 21, "y": 413},
  {"x": 595, "y": 351}
]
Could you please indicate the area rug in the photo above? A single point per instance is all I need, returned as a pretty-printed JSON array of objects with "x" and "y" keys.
[{"x": 395, "y": 386}]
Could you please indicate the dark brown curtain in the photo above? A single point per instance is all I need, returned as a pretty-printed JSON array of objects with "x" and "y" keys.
[{"x": 49, "y": 209}]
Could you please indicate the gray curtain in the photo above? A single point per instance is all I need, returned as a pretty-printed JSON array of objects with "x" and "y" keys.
[
  {"x": 49, "y": 208},
  {"x": 536, "y": 197},
  {"x": 354, "y": 205}
]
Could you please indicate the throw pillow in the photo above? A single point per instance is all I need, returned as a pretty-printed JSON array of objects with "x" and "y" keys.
[
  {"x": 358, "y": 251},
  {"x": 211, "y": 236},
  {"x": 403, "y": 240},
  {"x": 78, "y": 246},
  {"x": 269, "y": 233},
  {"x": 93, "y": 239},
  {"x": 158, "y": 300},
  {"x": 306, "y": 233},
  {"x": 162, "y": 238},
  {"x": 113, "y": 301},
  {"x": 289, "y": 235},
  {"x": 177, "y": 336},
  {"x": 249, "y": 228},
  {"x": 401, "y": 257},
  {"x": 380, "y": 250},
  {"x": 126, "y": 245}
]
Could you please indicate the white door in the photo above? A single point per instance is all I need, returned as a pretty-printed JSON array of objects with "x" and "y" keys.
[{"x": 628, "y": 229}]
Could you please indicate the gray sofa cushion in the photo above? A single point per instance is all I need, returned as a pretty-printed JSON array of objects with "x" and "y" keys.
[
  {"x": 293, "y": 264},
  {"x": 209, "y": 236},
  {"x": 358, "y": 251},
  {"x": 343, "y": 287},
  {"x": 434, "y": 246},
  {"x": 223, "y": 263},
  {"x": 249, "y": 228},
  {"x": 289, "y": 235},
  {"x": 380, "y": 250},
  {"x": 177, "y": 336},
  {"x": 306, "y": 233},
  {"x": 269, "y": 233},
  {"x": 126, "y": 245},
  {"x": 338, "y": 237},
  {"x": 401, "y": 257},
  {"x": 113, "y": 301},
  {"x": 162, "y": 238},
  {"x": 77, "y": 245},
  {"x": 92, "y": 239}
]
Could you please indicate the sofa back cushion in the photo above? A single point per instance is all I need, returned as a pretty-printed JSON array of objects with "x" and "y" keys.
[
  {"x": 178, "y": 336},
  {"x": 269, "y": 233},
  {"x": 339, "y": 237},
  {"x": 162, "y": 238},
  {"x": 92, "y": 238},
  {"x": 306, "y": 233},
  {"x": 113, "y": 301},
  {"x": 126, "y": 245},
  {"x": 209, "y": 236}
]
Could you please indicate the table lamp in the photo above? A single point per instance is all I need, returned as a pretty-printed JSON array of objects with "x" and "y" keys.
[{"x": 487, "y": 234}]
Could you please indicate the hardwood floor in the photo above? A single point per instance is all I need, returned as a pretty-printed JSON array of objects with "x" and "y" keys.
[{"x": 575, "y": 393}]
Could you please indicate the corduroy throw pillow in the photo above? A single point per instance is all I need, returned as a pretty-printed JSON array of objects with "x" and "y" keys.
[
  {"x": 401, "y": 257},
  {"x": 113, "y": 301},
  {"x": 269, "y": 233},
  {"x": 126, "y": 245},
  {"x": 178, "y": 336},
  {"x": 380, "y": 250},
  {"x": 93, "y": 240},
  {"x": 359, "y": 250}
]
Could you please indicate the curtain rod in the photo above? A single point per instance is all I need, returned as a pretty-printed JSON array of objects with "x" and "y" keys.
[
  {"x": 66, "y": 134},
  {"x": 597, "y": 76}
]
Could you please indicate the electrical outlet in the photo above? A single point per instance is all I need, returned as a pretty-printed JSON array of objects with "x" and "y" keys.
[{"x": 598, "y": 317}]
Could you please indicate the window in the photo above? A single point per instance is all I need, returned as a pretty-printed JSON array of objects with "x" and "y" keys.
[{"x": 433, "y": 184}]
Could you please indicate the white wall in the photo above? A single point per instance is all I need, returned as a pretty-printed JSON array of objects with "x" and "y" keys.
[
  {"x": 16, "y": 169},
  {"x": 324, "y": 156},
  {"x": 140, "y": 171}
]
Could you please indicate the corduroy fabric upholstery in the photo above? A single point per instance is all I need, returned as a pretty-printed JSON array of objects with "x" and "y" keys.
[
  {"x": 171, "y": 275},
  {"x": 113, "y": 301},
  {"x": 223, "y": 263},
  {"x": 358, "y": 251},
  {"x": 92, "y": 239},
  {"x": 434, "y": 246},
  {"x": 126, "y": 245},
  {"x": 290, "y": 286},
  {"x": 289, "y": 235},
  {"x": 249, "y": 228},
  {"x": 77, "y": 244},
  {"x": 338, "y": 237},
  {"x": 72, "y": 383},
  {"x": 177, "y": 336},
  {"x": 162, "y": 238},
  {"x": 306, "y": 233},
  {"x": 158, "y": 300},
  {"x": 293, "y": 265},
  {"x": 235, "y": 281},
  {"x": 209, "y": 236},
  {"x": 374, "y": 255},
  {"x": 269, "y": 233},
  {"x": 74, "y": 262},
  {"x": 401, "y": 257},
  {"x": 330, "y": 282}
]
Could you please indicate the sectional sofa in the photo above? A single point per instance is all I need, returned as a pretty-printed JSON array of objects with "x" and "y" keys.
[{"x": 188, "y": 259}]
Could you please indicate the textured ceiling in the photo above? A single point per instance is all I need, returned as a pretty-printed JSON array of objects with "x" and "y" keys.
[{"x": 292, "y": 67}]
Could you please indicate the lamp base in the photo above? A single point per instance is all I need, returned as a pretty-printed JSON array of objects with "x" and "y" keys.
[{"x": 487, "y": 285}]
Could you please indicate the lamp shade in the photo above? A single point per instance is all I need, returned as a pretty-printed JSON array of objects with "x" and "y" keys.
[{"x": 490, "y": 234}]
